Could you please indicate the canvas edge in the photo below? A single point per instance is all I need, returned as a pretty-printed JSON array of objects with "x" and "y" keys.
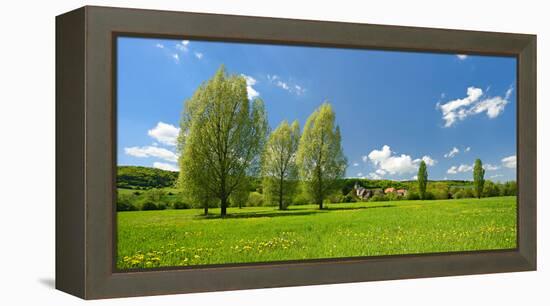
[
  {"x": 527, "y": 152},
  {"x": 70, "y": 204}
]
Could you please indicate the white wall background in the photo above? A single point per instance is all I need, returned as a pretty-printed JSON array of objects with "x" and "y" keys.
[{"x": 27, "y": 167}]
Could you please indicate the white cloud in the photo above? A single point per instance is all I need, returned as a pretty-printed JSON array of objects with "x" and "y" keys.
[
  {"x": 489, "y": 167},
  {"x": 165, "y": 166},
  {"x": 493, "y": 107},
  {"x": 461, "y": 168},
  {"x": 176, "y": 58},
  {"x": 473, "y": 104},
  {"x": 180, "y": 50},
  {"x": 467, "y": 149},
  {"x": 496, "y": 175},
  {"x": 428, "y": 160},
  {"x": 415, "y": 177},
  {"x": 272, "y": 77},
  {"x": 355, "y": 164},
  {"x": 365, "y": 158},
  {"x": 250, "y": 81},
  {"x": 377, "y": 156},
  {"x": 183, "y": 46},
  {"x": 151, "y": 151},
  {"x": 374, "y": 176},
  {"x": 509, "y": 162},
  {"x": 299, "y": 89},
  {"x": 360, "y": 174},
  {"x": 454, "y": 151},
  {"x": 462, "y": 56},
  {"x": 452, "y": 170},
  {"x": 286, "y": 85},
  {"x": 164, "y": 133},
  {"x": 283, "y": 85},
  {"x": 451, "y": 110},
  {"x": 387, "y": 163},
  {"x": 468, "y": 168},
  {"x": 509, "y": 93}
]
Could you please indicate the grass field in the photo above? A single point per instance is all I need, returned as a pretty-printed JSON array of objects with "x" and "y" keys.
[{"x": 260, "y": 234}]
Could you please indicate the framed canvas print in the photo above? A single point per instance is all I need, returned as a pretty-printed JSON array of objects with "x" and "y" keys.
[{"x": 200, "y": 152}]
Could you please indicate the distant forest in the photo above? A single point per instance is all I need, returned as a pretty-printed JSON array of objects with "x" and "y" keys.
[
  {"x": 143, "y": 188},
  {"x": 142, "y": 178},
  {"x": 135, "y": 177}
]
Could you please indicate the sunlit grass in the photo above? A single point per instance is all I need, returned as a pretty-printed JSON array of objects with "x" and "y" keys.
[{"x": 261, "y": 234}]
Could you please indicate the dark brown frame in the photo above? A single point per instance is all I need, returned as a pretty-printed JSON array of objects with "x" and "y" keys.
[{"x": 85, "y": 152}]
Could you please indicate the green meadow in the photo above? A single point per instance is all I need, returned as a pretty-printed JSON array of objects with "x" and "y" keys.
[{"x": 185, "y": 237}]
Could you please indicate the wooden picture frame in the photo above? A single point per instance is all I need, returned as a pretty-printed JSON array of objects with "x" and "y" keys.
[{"x": 86, "y": 146}]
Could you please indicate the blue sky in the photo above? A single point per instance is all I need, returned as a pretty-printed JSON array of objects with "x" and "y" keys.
[{"x": 394, "y": 108}]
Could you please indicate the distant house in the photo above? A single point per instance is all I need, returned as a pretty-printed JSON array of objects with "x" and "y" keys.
[
  {"x": 362, "y": 192},
  {"x": 401, "y": 192}
]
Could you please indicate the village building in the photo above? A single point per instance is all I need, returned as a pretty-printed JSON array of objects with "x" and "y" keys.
[
  {"x": 389, "y": 190},
  {"x": 401, "y": 192},
  {"x": 364, "y": 193}
]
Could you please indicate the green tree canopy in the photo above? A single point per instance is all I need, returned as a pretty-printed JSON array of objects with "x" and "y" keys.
[
  {"x": 320, "y": 158},
  {"x": 240, "y": 196},
  {"x": 279, "y": 170},
  {"x": 221, "y": 137},
  {"x": 144, "y": 177},
  {"x": 479, "y": 181},
  {"x": 191, "y": 184},
  {"x": 422, "y": 179}
]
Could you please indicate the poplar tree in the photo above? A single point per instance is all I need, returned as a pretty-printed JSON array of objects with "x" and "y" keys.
[
  {"x": 321, "y": 161},
  {"x": 422, "y": 178},
  {"x": 279, "y": 170},
  {"x": 479, "y": 181}
]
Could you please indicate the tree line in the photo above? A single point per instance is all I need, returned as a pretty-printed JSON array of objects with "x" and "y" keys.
[
  {"x": 152, "y": 198},
  {"x": 480, "y": 187},
  {"x": 136, "y": 177}
]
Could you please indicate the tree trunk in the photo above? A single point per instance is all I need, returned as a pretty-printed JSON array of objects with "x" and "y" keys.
[
  {"x": 281, "y": 194},
  {"x": 223, "y": 206},
  {"x": 206, "y": 210},
  {"x": 223, "y": 198},
  {"x": 320, "y": 195}
]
